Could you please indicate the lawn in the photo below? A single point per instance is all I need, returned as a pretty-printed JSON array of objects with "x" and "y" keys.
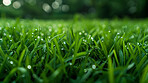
[{"x": 74, "y": 51}]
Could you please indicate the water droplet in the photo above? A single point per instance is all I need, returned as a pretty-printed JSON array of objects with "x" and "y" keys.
[
  {"x": 70, "y": 63},
  {"x": 64, "y": 42},
  {"x": 42, "y": 39},
  {"x": 42, "y": 34},
  {"x": 29, "y": 66},
  {"x": 35, "y": 39},
  {"x": 93, "y": 66},
  {"x": 10, "y": 40},
  {"x": 4, "y": 34},
  {"x": 129, "y": 43},
  {"x": 84, "y": 40},
  {"x": 62, "y": 48},
  {"x": 72, "y": 55},
  {"x": 38, "y": 37},
  {"x": 92, "y": 38},
  {"x": 85, "y": 34},
  {"x": 0, "y": 28},
  {"x": 36, "y": 29},
  {"x": 32, "y": 33},
  {"x": 42, "y": 57},
  {"x": 49, "y": 37},
  {"x": 80, "y": 33},
  {"x": 109, "y": 31},
  {"x": 11, "y": 62},
  {"x": 9, "y": 35},
  {"x": 63, "y": 31},
  {"x": 50, "y": 30},
  {"x": 1, "y": 39},
  {"x": 118, "y": 33},
  {"x": 132, "y": 37}
]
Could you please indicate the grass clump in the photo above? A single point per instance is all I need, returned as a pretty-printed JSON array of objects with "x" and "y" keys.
[{"x": 74, "y": 51}]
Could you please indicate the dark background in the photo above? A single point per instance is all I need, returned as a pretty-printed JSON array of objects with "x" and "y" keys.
[{"x": 46, "y": 9}]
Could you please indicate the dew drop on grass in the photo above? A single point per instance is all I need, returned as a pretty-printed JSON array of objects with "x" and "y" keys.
[
  {"x": 4, "y": 34},
  {"x": 62, "y": 48},
  {"x": 42, "y": 57},
  {"x": 9, "y": 35},
  {"x": 42, "y": 34},
  {"x": 64, "y": 42},
  {"x": 49, "y": 37},
  {"x": 11, "y": 62},
  {"x": 32, "y": 33},
  {"x": 50, "y": 30},
  {"x": 0, "y": 28},
  {"x": 109, "y": 31},
  {"x": 130, "y": 66},
  {"x": 129, "y": 43},
  {"x": 38, "y": 37},
  {"x": 1, "y": 39},
  {"x": 35, "y": 39},
  {"x": 29, "y": 66},
  {"x": 42, "y": 39},
  {"x": 92, "y": 38},
  {"x": 132, "y": 37},
  {"x": 70, "y": 63},
  {"x": 63, "y": 31},
  {"x": 118, "y": 33},
  {"x": 80, "y": 33},
  {"x": 85, "y": 34},
  {"x": 10, "y": 40},
  {"x": 93, "y": 66}
]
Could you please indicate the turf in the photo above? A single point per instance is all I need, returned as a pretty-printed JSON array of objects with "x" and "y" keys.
[{"x": 74, "y": 51}]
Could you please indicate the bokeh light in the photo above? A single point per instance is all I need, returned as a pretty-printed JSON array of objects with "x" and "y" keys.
[
  {"x": 65, "y": 8},
  {"x": 55, "y": 5},
  {"x": 6, "y": 2},
  {"x": 46, "y": 7},
  {"x": 16, "y": 4}
]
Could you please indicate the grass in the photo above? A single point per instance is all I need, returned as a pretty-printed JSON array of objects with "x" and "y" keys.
[{"x": 101, "y": 51}]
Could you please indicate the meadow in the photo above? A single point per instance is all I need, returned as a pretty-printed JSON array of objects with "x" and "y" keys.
[{"x": 74, "y": 51}]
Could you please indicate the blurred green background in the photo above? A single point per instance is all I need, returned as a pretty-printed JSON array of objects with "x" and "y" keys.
[{"x": 46, "y": 9}]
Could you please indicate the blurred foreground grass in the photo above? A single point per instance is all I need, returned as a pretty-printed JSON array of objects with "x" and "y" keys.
[{"x": 114, "y": 51}]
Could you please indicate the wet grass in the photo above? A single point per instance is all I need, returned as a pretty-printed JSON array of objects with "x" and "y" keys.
[{"x": 114, "y": 51}]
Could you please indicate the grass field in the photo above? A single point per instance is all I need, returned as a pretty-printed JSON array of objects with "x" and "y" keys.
[{"x": 74, "y": 51}]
